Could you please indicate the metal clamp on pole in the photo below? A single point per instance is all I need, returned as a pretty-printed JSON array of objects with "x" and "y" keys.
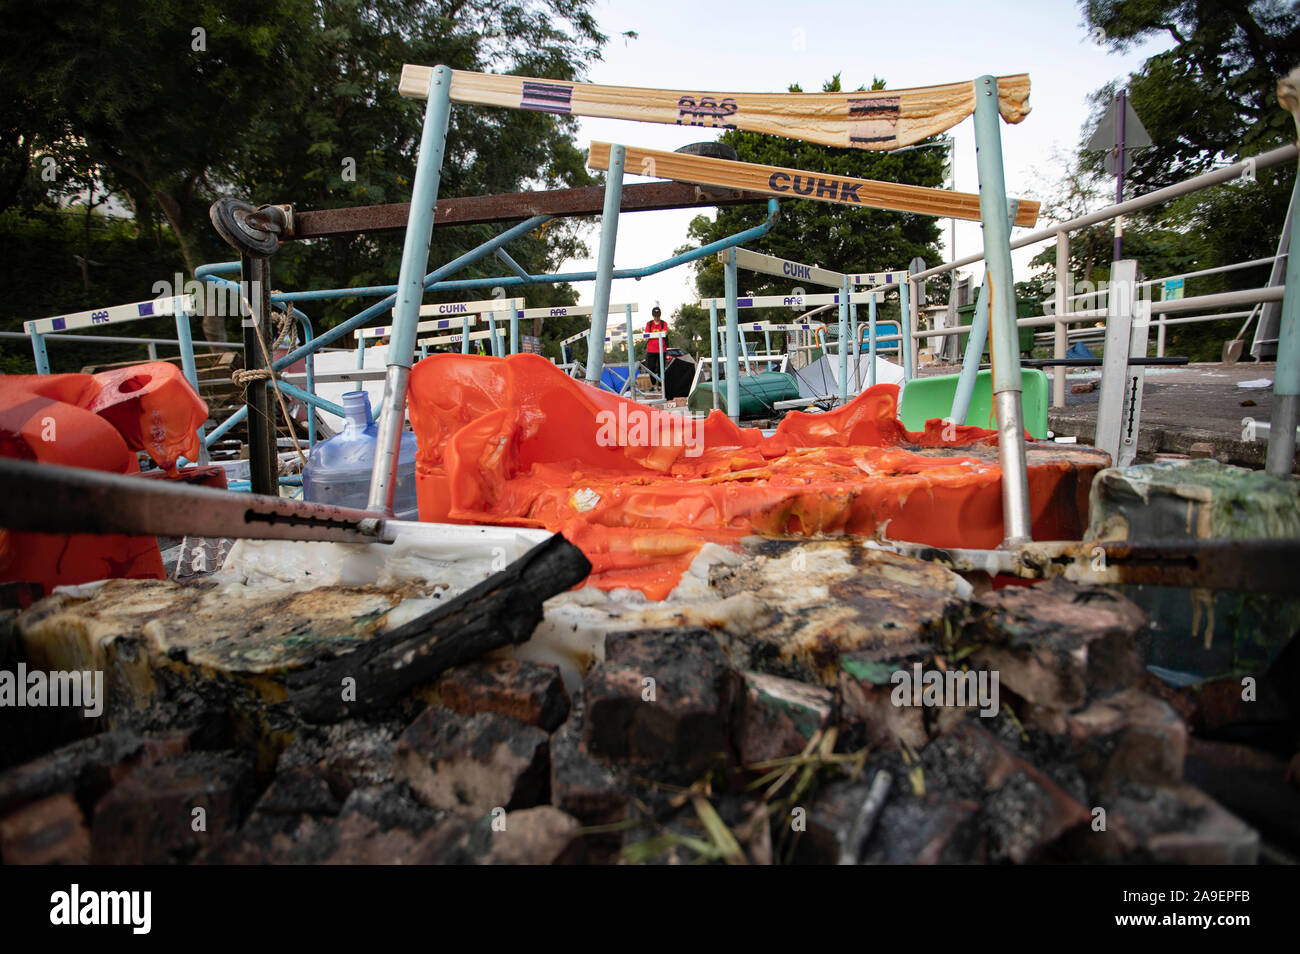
[{"x": 1004, "y": 351}]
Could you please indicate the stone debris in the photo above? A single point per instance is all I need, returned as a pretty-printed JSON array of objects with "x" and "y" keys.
[
  {"x": 529, "y": 692},
  {"x": 742, "y": 722}
]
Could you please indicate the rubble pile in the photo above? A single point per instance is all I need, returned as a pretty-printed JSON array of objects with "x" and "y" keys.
[{"x": 816, "y": 703}]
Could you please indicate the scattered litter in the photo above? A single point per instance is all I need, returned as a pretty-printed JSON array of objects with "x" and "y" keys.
[{"x": 1256, "y": 384}]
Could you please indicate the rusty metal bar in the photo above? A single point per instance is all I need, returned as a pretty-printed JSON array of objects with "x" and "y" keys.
[{"x": 480, "y": 209}]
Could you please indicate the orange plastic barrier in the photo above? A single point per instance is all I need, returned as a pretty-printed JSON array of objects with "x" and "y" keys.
[
  {"x": 516, "y": 441},
  {"x": 97, "y": 422}
]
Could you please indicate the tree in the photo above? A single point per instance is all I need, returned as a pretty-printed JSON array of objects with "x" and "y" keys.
[
  {"x": 1209, "y": 100},
  {"x": 172, "y": 104},
  {"x": 1214, "y": 95}
]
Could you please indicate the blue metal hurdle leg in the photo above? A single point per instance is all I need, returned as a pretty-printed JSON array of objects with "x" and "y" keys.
[
  {"x": 605, "y": 265},
  {"x": 410, "y": 289},
  {"x": 1005, "y": 345},
  {"x": 975, "y": 343},
  {"x": 905, "y": 323},
  {"x": 1286, "y": 389},
  {"x": 733, "y": 343},
  {"x": 713, "y": 352},
  {"x": 40, "y": 353},
  {"x": 190, "y": 368},
  {"x": 871, "y": 340},
  {"x": 843, "y": 309}
]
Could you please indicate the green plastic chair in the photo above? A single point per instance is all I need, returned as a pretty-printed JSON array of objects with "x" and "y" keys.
[{"x": 926, "y": 398}]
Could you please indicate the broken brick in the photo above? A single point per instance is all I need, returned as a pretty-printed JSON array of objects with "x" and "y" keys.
[
  {"x": 45, "y": 832},
  {"x": 528, "y": 691},
  {"x": 1052, "y": 642},
  {"x": 663, "y": 698},
  {"x": 1024, "y": 812},
  {"x": 474, "y": 763},
  {"x": 779, "y": 716},
  {"x": 86, "y": 768},
  {"x": 542, "y": 835},
  {"x": 1129, "y": 736},
  {"x": 151, "y": 817},
  {"x": 581, "y": 785}
]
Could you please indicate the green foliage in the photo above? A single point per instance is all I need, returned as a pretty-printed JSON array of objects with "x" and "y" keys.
[
  {"x": 1214, "y": 95},
  {"x": 1209, "y": 100},
  {"x": 61, "y": 261},
  {"x": 281, "y": 101}
]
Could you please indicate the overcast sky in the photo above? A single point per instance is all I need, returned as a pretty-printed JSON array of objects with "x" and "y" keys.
[{"x": 762, "y": 46}]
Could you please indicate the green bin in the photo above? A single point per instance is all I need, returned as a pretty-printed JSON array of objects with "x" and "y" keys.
[
  {"x": 758, "y": 392},
  {"x": 926, "y": 398}
]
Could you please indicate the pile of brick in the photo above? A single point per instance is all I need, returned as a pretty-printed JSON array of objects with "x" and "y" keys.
[{"x": 729, "y": 743}]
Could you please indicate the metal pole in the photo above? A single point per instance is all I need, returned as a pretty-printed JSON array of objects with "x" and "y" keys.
[
  {"x": 1265, "y": 160},
  {"x": 905, "y": 327},
  {"x": 857, "y": 348},
  {"x": 733, "y": 344},
  {"x": 1267, "y": 326},
  {"x": 1286, "y": 386},
  {"x": 970, "y": 364},
  {"x": 605, "y": 265},
  {"x": 307, "y": 335},
  {"x": 40, "y": 353},
  {"x": 843, "y": 312},
  {"x": 871, "y": 340},
  {"x": 631, "y": 360},
  {"x": 1005, "y": 350},
  {"x": 1060, "y": 341},
  {"x": 464, "y": 335},
  {"x": 713, "y": 351},
  {"x": 1120, "y": 116},
  {"x": 188, "y": 366},
  {"x": 410, "y": 289},
  {"x": 975, "y": 344},
  {"x": 263, "y": 465},
  {"x": 514, "y": 328}
]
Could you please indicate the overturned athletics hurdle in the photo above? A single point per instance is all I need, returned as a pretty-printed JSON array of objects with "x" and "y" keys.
[
  {"x": 878, "y": 120},
  {"x": 737, "y": 345},
  {"x": 848, "y": 321}
]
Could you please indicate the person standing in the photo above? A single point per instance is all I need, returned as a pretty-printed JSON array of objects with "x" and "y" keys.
[{"x": 655, "y": 346}]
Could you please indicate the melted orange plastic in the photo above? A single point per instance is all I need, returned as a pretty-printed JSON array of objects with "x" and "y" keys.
[
  {"x": 97, "y": 422},
  {"x": 515, "y": 441}
]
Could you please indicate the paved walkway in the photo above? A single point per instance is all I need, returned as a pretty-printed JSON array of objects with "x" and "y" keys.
[{"x": 1181, "y": 406}]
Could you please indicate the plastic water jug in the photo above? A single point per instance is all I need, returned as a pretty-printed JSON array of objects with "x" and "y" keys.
[{"x": 338, "y": 470}]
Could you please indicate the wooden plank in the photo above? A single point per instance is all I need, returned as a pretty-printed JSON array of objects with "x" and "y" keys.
[
  {"x": 797, "y": 184},
  {"x": 480, "y": 209},
  {"x": 861, "y": 119}
]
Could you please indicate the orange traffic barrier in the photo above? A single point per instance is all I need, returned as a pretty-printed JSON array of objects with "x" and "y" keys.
[{"x": 515, "y": 441}]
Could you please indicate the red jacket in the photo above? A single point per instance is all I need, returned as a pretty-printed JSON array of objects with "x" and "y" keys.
[{"x": 654, "y": 345}]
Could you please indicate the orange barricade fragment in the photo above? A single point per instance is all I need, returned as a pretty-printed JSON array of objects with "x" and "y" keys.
[
  {"x": 97, "y": 422},
  {"x": 515, "y": 441}
]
